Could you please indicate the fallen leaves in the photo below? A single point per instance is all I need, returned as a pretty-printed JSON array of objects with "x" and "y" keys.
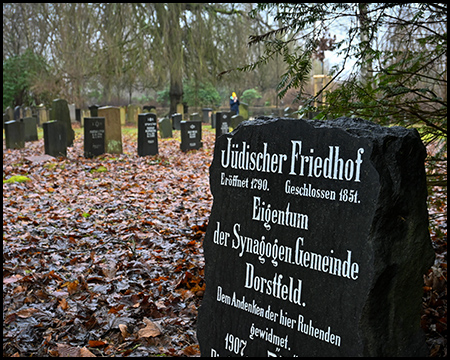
[{"x": 103, "y": 256}]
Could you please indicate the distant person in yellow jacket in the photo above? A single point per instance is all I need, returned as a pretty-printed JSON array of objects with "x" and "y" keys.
[{"x": 234, "y": 103}]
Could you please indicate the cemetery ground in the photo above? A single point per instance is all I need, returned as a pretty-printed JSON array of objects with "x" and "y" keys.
[{"x": 103, "y": 256}]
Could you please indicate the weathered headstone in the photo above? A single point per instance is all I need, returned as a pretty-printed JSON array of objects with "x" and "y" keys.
[
  {"x": 176, "y": 120},
  {"x": 72, "y": 112},
  {"x": 317, "y": 241},
  {"x": 206, "y": 112},
  {"x": 94, "y": 136},
  {"x": 14, "y": 134},
  {"x": 165, "y": 128},
  {"x": 55, "y": 143},
  {"x": 18, "y": 113},
  {"x": 147, "y": 135},
  {"x": 60, "y": 112},
  {"x": 223, "y": 121},
  {"x": 113, "y": 129},
  {"x": 132, "y": 114},
  {"x": 191, "y": 135},
  {"x": 236, "y": 120},
  {"x": 27, "y": 112},
  {"x": 195, "y": 117},
  {"x": 243, "y": 111},
  {"x": 42, "y": 114},
  {"x": 30, "y": 128}
]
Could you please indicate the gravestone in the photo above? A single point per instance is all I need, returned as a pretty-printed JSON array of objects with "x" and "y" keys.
[
  {"x": 94, "y": 136},
  {"x": 14, "y": 134},
  {"x": 72, "y": 112},
  {"x": 243, "y": 111},
  {"x": 195, "y": 117},
  {"x": 176, "y": 120},
  {"x": 165, "y": 128},
  {"x": 236, "y": 120},
  {"x": 60, "y": 112},
  {"x": 94, "y": 110},
  {"x": 147, "y": 135},
  {"x": 207, "y": 115},
  {"x": 132, "y": 114},
  {"x": 30, "y": 128},
  {"x": 78, "y": 115},
  {"x": 55, "y": 143},
  {"x": 317, "y": 241},
  {"x": 191, "y": 135},
  {"x": 213, "y": 120},
  {"x": 42, "y": 114},
  {"x": 18, "y": 113},
  {"x": 113, "y": 129},
  {"x": 27, "y": 112},
  {"x": 223, "y": 121}
]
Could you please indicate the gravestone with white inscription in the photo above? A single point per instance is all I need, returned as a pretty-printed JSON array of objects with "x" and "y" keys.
[
  {"x": 317, "y": 241},
  {"x": 223, "y": 123},
  {"x": 94, "y": 136},
  {"x": 147, "y": 135},
  {"x": 191, "y": 135}
]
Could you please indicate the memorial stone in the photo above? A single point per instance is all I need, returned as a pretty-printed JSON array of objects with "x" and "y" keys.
[
  {"x": 207, "y": 115},
  {"x": 14, "y": 134},
  {"x": 113, "y": 129},
  {"x": 10, "y": 113},
  {"x": 195, "y": 117},
  {"x": 18, "y": 113},
  {"x": 191, "y": 135},
  {"x": 30, "y": 128},
  {"x": 72, "y": 112},
  {"x": 317, "y": 241},
  {"x": 147, "y": 135},
  {"x": 243, "y": 111},
  {"x": 132, "y": 114},
  {"x": 213, "y": 120},
  {"x": 60, "y": 112},
  {"x": 94, "y": 110},
  {"x": 223, "y": 121},
  {"x": 55, "y": 143},
  {"x": 165, "y": 128},
  {"x": 78, "y": 115},
  {"x": 42, "y": 114},
  {"x": 236, "y": 120},
  {"x": 27, "y": 112},
  {"x": 94, "y": 136},
  {"x": 176, "y": 120}
]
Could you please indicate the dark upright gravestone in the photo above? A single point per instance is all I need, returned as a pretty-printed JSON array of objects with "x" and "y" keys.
[
  {"x": 94, "y": 110},
  {"x": 176, "y": 120},
  {"x": 317, "y": 241},
  {"x": 60, "y": 111},
  {"x": 147, "y": 135},
  {"x": 223, "y": 121},
  {"x": 30, "y": 128},
  {"x": 165, "y": 128},
  {"x": 55, "y": 143},
  {"x": 14, "y": 134},
  {"x": 191, "y": 135},
  {"x": 94, "y": 136}
]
